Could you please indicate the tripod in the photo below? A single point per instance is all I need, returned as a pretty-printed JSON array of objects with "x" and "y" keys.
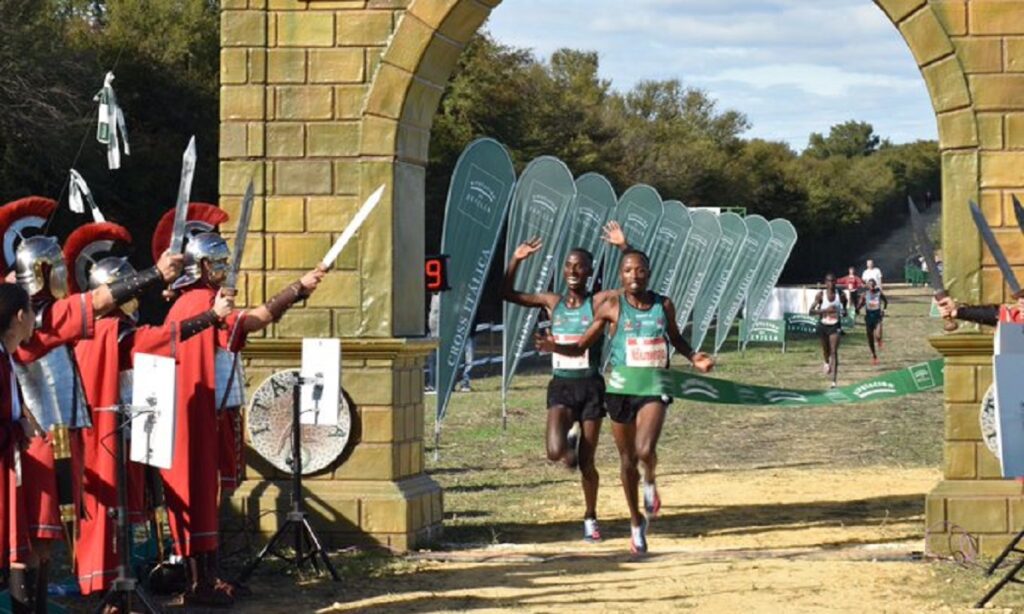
[
  {"x": 296, "y": 520},
  {"x": 126, "y": 590}
]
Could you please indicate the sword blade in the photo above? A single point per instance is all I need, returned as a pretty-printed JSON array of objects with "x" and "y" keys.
[
  {"x": 241, "y": 233},
  {"x": 1018, "y": 211},
  {"x": 924, "y": 244},
  {"x": 993, "y": 247},
  {"x": 188, "y": 169},
  {"x": 352, "y": 227}
]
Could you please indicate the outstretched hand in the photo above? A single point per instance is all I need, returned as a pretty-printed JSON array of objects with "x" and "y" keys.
[
  {"x": 703, "y": 362},
  {"x": 947, "y": 308},
  {"x": 544, "y": 342},
  {"x": 312, "y": 279},
  {"x": 612, "y": 233},
  {"x": 170, "y": 265},
  {"x": 524, "y": 250},
  {"x": 223, "y": 303}
]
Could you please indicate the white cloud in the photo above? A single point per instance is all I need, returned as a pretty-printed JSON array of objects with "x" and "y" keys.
[{"x": 827, "y": 81}]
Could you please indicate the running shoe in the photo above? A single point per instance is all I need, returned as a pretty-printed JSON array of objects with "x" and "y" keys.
[
  {"x": 591, "y": 532},
  {"x": 638, "y": 538},
  {"x": 834, "y": 385},
  {"x": 573, "y": 439},
  {"x": 652, "y": 502}
]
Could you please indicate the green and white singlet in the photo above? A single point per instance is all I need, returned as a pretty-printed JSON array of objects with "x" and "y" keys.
[
  {"x": 567, "y": 327},
  {"x": 641, "y": 337}
]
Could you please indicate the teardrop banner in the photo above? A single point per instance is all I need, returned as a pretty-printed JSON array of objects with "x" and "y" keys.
[
  {"x": 775, "y": 259},
  {"x": 540, "y": 203},
  {"x": 644, "y": 381},
  {"x": 595, "y": 201},
  {"x": 478, "y": 198},
  {"x": 759, "y": 232},
  {"x": 639, "y": 211},
  {"x": 697, "y": 255},
  {"x": 727, "y": 253},
  {"x": 666, "y": 250}
]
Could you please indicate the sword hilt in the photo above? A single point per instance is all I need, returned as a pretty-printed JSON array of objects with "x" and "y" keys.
[{"x": 949, "y": 324}]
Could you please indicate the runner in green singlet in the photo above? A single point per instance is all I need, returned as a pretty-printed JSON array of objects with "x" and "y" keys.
[
  {"x": 644, "y": 324},
  {"x": 576, "y": 390},
  {"x": 874, "y": 303}
]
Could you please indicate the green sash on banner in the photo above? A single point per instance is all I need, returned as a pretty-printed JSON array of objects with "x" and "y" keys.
[
  {"x": 639, "y": 211},
  {"x": 539, "y": 205},
  {"x": 779, "y": 248},
  {"x": 595, "y": 201},
  {"x": 641, "y": 381},
  {"x": 478, "y": 199},
  {"x": 759, "y": 232},
  {"x": 697, "y": 254},
  {"x": 666, "y": 250},
  {"x": 727, "y": 253}
]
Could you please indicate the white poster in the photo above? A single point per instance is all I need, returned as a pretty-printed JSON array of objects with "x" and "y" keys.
[
  {"x": 1008, "y": 364},
  {"x": 153, "y": 409},
  {"x": 321, "y": 381}
]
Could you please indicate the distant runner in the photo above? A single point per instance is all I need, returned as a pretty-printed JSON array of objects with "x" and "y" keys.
[
  {"x": 874, "y": 303},
  {"x": 830, "y": 306}
]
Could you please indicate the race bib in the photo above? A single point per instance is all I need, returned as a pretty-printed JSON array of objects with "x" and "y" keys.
[
  {"x": 829, "y": 319},
  {"x": 646, "y": 352},
  {"x": 874, "y": 304},
  {"x": 569, "y": 363}
]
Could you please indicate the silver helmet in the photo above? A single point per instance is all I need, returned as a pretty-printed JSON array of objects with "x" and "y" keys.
[
  {"x": 39, "y": 265},
  {"x": 208, "y": 246},
  {"x": 109, "y": 270}
]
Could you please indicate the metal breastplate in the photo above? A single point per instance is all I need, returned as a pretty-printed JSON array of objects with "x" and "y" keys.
[
  {"x": 236, "y": 397},
  {"x": 125, "y": 382},
  {"x": 52, "y": 390}
]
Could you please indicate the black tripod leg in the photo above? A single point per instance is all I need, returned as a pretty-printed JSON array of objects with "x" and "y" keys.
[
  {"x": 318, "y": 549},
  {"x": 1010, "y": 576},
  {"x": 1010, "y": 547},
  {"x": 251, "y": 567}
]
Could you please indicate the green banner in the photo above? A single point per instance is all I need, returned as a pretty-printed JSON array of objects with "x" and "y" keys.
[
  {"x": 764, "y": 331},
  {"x": 640, "y": 381},
  {"x": 666, "y": 250},
  {"x": 697, "y": 255},
  {"x": 727, "y": 253},
  {"x": 802, "y": 323},
  {"x": 539, "y": 205},
  {"x": 638, "y": 212},
  {"x": 478, "y": 198},
  {"x": 775, "y": 257},
  {"x": 595, "y": 201},
  {"x": 758, "y": 235}
]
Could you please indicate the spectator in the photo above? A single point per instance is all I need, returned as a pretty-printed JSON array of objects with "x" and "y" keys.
[
  {"x": 872, "y": 272},
  {"x": 433, "y": 325},
  {"x": 467, "y": 361}
]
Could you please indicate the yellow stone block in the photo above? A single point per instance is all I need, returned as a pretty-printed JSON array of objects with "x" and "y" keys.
[
  {"x": 1002, "y": 169},
  {"x": 952, "y": 14},
  {"x": 242, "y": 29},
  {"x": 960, "y": 242},
  {"x": 388, "y": 4},
  {"x": 996, "y": 16},
  {"x": 301, "y": 323},
  {"x": 232, "y": 205},
  {"x": 1015, "y": 131},
  {"x": 303, "y": 177},
  {"x": 384, "y": 516},
  {"x": 241, "y": 102},
  {"x": 348, "y": 101},
  {"x": 305, "y": 29},
  {"x": 390, "y": 86},
  {"x": 257, "y": 65},
  {"x": 286, "y": 65},
  {"x": 233, "y": 65},
  {"x": 233, "y": 4},
  {"x": 356, "y": 28},
  {"x": 421, "y": 104},
  {"x": 405, "y": 465},
  {"x": 256, "y": 135},
  {"x": 305, "y": 102},
  {"x": 377, "y": 425},
  {"x": 332, "y": 139},
  {"x": 409, "y": 45},
  {"x": 979, "y": 515},
  {"x": 432, "y": 13},
  {"x": 346, "y": 321},
  {"x": 331, "y": 213},
  {"x": 235, "y": 176},
  {"x": 380, "y": 136},
  {"x": 989, "y": 546},
  {"x": 928, "y": 41},
  {"x": 997, "y": 92},
  {"x": 993, "y": 285},
  {"x": 370, "y": 386},
  {"x": 980, "y": 54},
  {"x": 232, "y": 140},
  {"x": 339, "y": 289},
  {"x": 1012, "y": 242},
  {"x": 464, "y": 20},
  {"x": 992, "y": 207},
  {"x": 373, "y": 56},
  {"x": 343, "y": 65},
  {"x": 959, "y": 460},
  {"x": 286, "y": 214},
  {"x": 439, "y": 60},
  {"x": 253, "y": 292},
  {"x": 300, "y": 251},
  {"x": 990, "y": 130},
  {"x": 960, "y": 383},
  {"x": 346, "y": 176},
  {"x": 962, "y": 421},
  {"x": 1015, "y": 54},
  {"x": 934, "y": 510},
  {"x": 285, "y": 140},
  {"x": 984, "y": 375},
  {"x": 988, "y": 465},
  {"x": 898, "y": 9},
  {"x": 946, "y": 85},
  {"x": 1016, "y": 514}
]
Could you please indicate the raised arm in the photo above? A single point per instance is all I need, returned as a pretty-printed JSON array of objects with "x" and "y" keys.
[
  {"x": 613, "y": 234},
  {"x": 700, "y": 360},
  {"x": 260, "y": 317},
  {"x": 508, "y": 291},
  {"x": 108, "y": 296}
]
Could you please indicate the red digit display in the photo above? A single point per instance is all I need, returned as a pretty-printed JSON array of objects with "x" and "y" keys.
[{"x": 436, "y": 269}]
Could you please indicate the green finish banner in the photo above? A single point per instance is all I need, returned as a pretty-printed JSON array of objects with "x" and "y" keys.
[
  {"x": 595, "y": 201},
  {"x": 640, "y": 381},
  {"x": 666, "y": 250},
  {"x": 727, "y": 253},
  {"x": 764, "y": 331},
  {"x": 638, "y": 212},
  {"x": 697, "y": 255},
  {"x": 802, "y": 323},
  {"x": 540, "y": 203},
  {"x": 478, "y": 198},
  {"x": 775, "y": 258},
  {"x": 759, "y": 232}
]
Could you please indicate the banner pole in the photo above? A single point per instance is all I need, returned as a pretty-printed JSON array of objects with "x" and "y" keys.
[{"x": 437, "y": 439}]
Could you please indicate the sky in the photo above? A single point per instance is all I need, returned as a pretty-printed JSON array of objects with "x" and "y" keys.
[{"x": 792, "y": 66}]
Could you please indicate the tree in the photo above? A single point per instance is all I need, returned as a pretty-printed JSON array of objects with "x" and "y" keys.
[{"x": 851, "y": 139}]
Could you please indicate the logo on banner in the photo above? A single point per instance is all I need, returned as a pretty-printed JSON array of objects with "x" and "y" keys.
[
  {"x": 478, "y": 202},
  {"x": 784, "y": 396},
  {"x": 869, "y": 389},
  {"x": 922, "y": 376},
  {"x": 696, "y": 386}
]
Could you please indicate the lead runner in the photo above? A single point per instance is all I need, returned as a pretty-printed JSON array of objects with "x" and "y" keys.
[
  {"x": 643, "y": 320},
  {"x": 576, "y": 390}
]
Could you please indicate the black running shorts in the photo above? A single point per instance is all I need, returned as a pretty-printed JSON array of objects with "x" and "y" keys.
[
  {"x": 623, "y": 408},
  {"x": 584, "y": 396}
]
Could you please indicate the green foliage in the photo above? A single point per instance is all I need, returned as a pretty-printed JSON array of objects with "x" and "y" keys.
[{"x": 851, "y": 139}]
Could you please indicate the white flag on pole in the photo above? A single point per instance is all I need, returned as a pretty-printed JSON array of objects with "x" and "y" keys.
[{"x": 111, "y": 129}]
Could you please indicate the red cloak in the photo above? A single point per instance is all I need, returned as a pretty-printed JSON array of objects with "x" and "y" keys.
[{"x": 14, "y": 539}]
